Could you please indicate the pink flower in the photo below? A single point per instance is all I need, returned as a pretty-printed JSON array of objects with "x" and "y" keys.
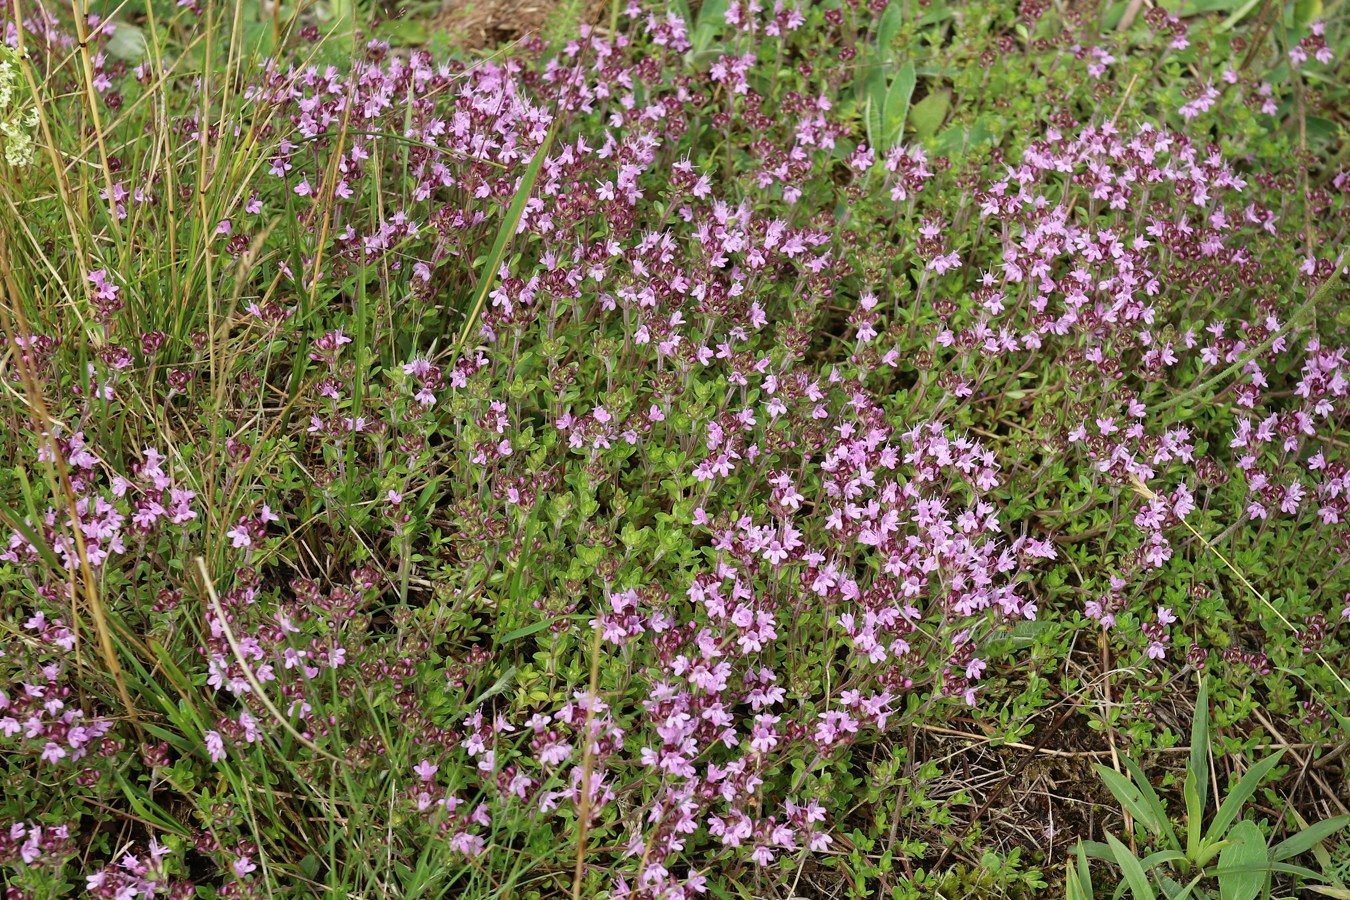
[
  {"x": 239, "y": 536},
  {"x": 215, "y": 746}
]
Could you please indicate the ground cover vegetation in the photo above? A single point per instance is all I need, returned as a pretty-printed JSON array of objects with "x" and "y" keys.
[{"x": 755, "y": 450}]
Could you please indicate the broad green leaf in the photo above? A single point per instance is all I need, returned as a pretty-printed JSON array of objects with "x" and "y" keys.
[
  {"x": 681, "y": 9},
  {"x": 1186, "y": 891},
  {"x": 404, "y": 32},
  {"x": 1130, "y": 798},
  {"x": 1097, "y": 850},
  {"x": 874, "y": 99},
  {"x": 1232, "y": 804},
  {"x": 127, "y": 43},
  {"x": 1114, "y": 13},
  {"x": 712, "y": 14},
  {"x": 1073, "y": 889},
  {"x": 1084, "y": 872},
  {"x": 1153, "y": 802},
  {"x": 897, "y": 104},
  {"x": 497, "y": 687},
  {"x": 938, "y": 12},
  {"x": 702, "y": 60},
  {"x": 712, "y": 17},
  {"x": 1246, "y": 863},
  {"x": 1239, "y": 14},
  {"x": 1305, "y": 839},
  {"x": 1321, "y": 129},
  {"x": 1306, "y": 12},
  {"x": 929, "y": 113},
  {"x": 1153, "y": 860},
  {"x": 1194, "y": 814},
  {"x": 1131, "y": 868},
  {"x": 1198, "y": 768},
  {"x": 888, "y": 27},
  {"x": 952, "y": 141}
]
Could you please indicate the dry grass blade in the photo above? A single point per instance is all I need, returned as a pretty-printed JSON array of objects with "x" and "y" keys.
[{"x": 62, "y": 487}]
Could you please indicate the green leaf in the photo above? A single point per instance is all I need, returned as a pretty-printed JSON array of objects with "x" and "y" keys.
[
  {"x": 148, "y": 809},
  {"x": 127, "y": 43},
  {"x": 1084, "y": 873},
  {"x": 32, "y": 537},
  {"x": 1186, "y": 891},
  {"x": 1073, "y": 889},
  {"x": 897, "y": 104},
  {"x": 1305, "y": 12},
  {"x": 1198, "y": 769},
  {"x": 1195, "y": 7},
  {"x": 938, "y": 12},
  {"x": 1129, "y": 797},
  {"x": 487, "y": 276},
  {"x": 1232, "y": 804},
  {"x": 929, "y": 113},
  {"x": 1194, "y": 807},
  {"x": 1114, "y": 13},
  {"x": 1130, "y": 867},
  {"x": 1305, "y": 839},
  {"x": 1153, "y": 860},
  {"x": 1291, "y": 869},
  {"x": 1151, "y": 799},
  {"x": 497, "y": 687},
  {"x": 526, "y": 631},
  {"x": 1321, "y": 129},
  {"x": 711, "y": 16},
  {"x": 1239, "y": 14},
  {"x": 1097, "y": 850},
  {"x": 888, "y": 27},
  {"x": 404, "y": 32},
  {"x": 1246, "y": 861},
  {"x": 874, "y": 103}
]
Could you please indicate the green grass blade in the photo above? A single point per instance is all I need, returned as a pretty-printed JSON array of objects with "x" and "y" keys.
[
  {"x": 1084, "y": 873},
  {"x": 1151, "y": 799},
  {"x": 488, "y": 276},
  {"x": 1131, "y": 868},
  {"x": 1308, "y": 837},
  {"x": 1129, "y": 797},
  {"x": 1232, "y": 804}
]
